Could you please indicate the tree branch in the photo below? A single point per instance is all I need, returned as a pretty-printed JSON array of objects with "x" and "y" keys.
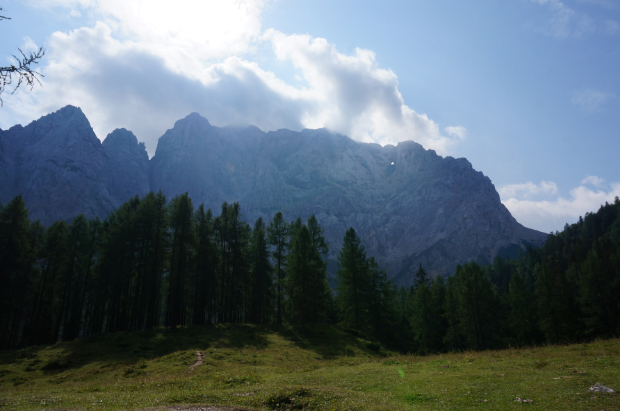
[{"x": 21, "y": 72}]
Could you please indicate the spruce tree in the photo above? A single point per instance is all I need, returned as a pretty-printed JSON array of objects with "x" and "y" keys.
[
  {"x": 454, "y": 339},
  {"x": 383, "y": 316},
  {"x": 352, "y": 281},
  {"x": 556, "y": 306},
  {"x": 523, "y": 316},
  {"x": 422, "y": 277},
  {"x": 426, "y": 321},
  {"x": 306, "y": 280},
  {"x": 599, "y": 289},
  {"x": 478, "y": 304}
]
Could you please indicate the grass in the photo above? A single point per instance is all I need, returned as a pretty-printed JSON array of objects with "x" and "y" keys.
[{"x": 282, "y": 368}]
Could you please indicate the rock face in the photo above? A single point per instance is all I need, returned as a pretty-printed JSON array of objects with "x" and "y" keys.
[
  {"x": 128, "y": 165},
  {"x": 61, "y": 169},
  {"x": 408, "y": 205}
]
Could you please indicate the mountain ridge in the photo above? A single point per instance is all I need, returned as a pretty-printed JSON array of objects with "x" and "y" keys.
[{"x": 408, "y": 205}]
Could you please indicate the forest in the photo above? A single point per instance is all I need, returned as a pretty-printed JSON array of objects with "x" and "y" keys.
[{"x": 157, "y": 263}]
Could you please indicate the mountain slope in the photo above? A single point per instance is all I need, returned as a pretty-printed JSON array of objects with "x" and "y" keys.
[{"x": 408, "y": 205}]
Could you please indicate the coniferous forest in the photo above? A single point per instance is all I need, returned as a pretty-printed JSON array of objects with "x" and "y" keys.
[{"x": 155, "y": 263}]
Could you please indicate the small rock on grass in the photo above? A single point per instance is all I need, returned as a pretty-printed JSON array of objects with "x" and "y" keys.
[
  {"x": 600, "y": 388},
  {"x": 525, "y": 400}
]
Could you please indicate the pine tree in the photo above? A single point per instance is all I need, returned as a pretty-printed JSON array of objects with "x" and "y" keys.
[
  {"x": 383, "y": 318},
  {"x": 556, "y": 305},
  {"x": 182, "y": 244},
  {"x": 599, "y": 288},
  {"x": 45, "y": 313},
  {"x": 523, "y": 315},
  {"x": 477, "y": 307},
  {"x": 18, "y": 247},
  {"x": 153, "y": 213},
  {"x": 438, "y": 294},
  {"x": 422, "y": 277},
  {"x": 279, "y": 238},
  {"x": 204, "y": 268},
  {"x": 426, "y": 320},
  {"x": 353, "y": 281},
  {"x": 454, "y": 338},
  {"x": 306, "y": 280},
  {"x": 79, "y": 266},
  {"x": 261, "y": 280}
]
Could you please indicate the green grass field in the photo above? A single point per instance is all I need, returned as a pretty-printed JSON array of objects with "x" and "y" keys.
[{"x": 281, "y": 368}]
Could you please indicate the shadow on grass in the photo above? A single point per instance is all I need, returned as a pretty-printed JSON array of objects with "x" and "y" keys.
[
  {"x": 131, "y": 348},
  {"x": 328, "y": 341},
  {"x": 127, "y": 348}
]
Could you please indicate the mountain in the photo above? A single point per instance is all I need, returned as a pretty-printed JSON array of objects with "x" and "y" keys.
[{"x": 408, "y": 205}]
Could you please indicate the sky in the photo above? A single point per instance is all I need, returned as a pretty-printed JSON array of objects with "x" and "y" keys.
[{"x": 527, "y": 90}]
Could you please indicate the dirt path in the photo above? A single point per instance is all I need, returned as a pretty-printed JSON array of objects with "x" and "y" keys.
[{"x": 199, "y": 360}]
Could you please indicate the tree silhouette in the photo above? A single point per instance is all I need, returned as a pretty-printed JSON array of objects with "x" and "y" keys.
[{"x": 22, "y": 71}]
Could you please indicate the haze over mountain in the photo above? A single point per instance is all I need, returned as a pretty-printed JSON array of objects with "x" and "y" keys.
[{"x": 408, "y": 205}]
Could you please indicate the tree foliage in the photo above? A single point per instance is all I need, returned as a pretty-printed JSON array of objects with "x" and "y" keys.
[
  {"x": 22, "y": 70},
  {"x": 154, "y": 263}
]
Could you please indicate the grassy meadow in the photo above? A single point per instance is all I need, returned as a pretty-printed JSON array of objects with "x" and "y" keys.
[{"x": 282, "y": 368}]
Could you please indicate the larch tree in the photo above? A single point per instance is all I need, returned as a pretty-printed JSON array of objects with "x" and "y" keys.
[{"x": 278, "y": 232}]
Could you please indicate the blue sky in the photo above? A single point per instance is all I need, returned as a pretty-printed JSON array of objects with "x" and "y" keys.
[{"x": 527, "y": 90}]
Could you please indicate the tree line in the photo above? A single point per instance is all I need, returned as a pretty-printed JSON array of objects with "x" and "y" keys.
[{"x": 154, "y": 263}]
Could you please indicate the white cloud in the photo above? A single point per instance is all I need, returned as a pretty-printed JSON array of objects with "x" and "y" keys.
[
  {"x": 456, "y": 131},
  {"x": 353, "y": 95},
  {"x": 75, "y": 13},
  {"x": 157, "y": 74},
  {"x": 29, "y": 45},
  {"x": 529, "y": 189},
  {"x": 593, "y": 180},
  {"x": 205, "y": 29},
  {"x": 590, "y": 100},
  {"x": 567, "y": 22},
  {"x": 548, "y": 216}
]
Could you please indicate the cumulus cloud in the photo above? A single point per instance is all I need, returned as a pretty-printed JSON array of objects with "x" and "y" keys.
[
  {"x": 528, "y": 189},
  {"x": 590, "y": 100},
  {"x": 144, "y": 82},
  {"x": 456, "y": 131},
  {"x": 593, "y": 180},
  {"x": 205, "y": 29},
  {"x": 552, "y": 215},
  {"x": 353, "y": 95},
  {"x": 120, "y": 84}
]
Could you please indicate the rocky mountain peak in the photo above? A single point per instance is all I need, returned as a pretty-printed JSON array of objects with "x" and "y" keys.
[
  {"x": 128, "y": 165},
  {"x": 407, "y": 204},
  {"x": 121, "y": 138}
]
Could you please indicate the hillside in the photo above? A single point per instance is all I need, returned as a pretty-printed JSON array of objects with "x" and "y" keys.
[
  {"x": 323, "y": 368},
  {"x": 408, "y": 204}
]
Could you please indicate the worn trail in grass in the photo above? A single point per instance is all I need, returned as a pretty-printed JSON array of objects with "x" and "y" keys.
[{"x": 280, "y": 368}]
